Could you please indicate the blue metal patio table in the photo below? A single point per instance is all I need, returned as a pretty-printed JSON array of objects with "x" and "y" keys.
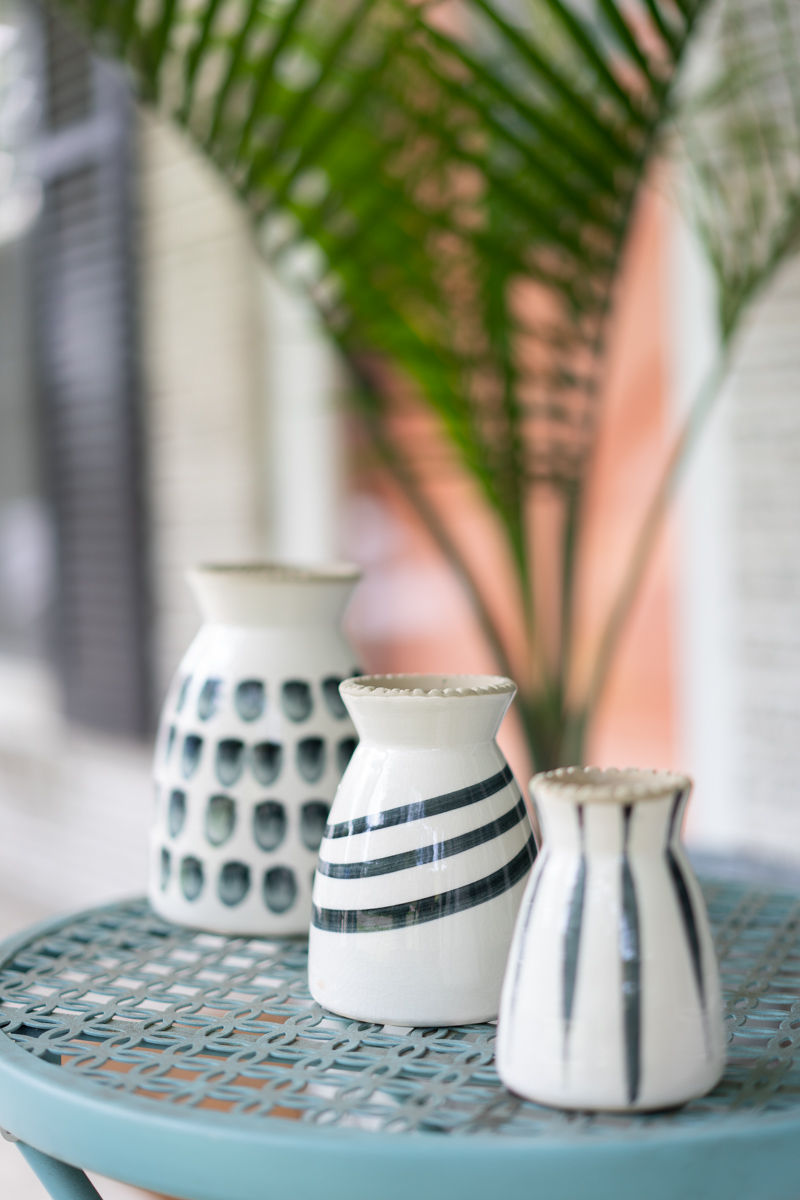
[{"x": 197, "y": 1066}]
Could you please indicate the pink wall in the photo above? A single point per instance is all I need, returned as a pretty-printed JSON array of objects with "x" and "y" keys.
[{"x": 411, "y": 614}]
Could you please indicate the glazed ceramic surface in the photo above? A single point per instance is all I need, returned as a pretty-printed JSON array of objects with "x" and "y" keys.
[
  {"x": 253, "y": 741},
  {"x": 611, "y": 998},
  {"x": 425, "y": 855}
]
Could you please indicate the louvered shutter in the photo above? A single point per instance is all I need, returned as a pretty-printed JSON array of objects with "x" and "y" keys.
[{"x": 87, "y": 366}]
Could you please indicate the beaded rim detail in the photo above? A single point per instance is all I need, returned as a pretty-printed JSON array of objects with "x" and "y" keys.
[
  {"x": 608, "y": 785},
  {"x": 448, "y": 685}
]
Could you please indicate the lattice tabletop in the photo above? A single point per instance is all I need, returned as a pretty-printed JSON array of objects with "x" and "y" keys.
[{"x": 198, "y": 1064}]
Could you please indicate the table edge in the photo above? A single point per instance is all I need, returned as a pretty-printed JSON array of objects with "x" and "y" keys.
[{"x": 178, "y": 1152}]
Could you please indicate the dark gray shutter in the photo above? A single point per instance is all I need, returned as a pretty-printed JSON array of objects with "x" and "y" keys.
[{"x": 89, "y": 387}]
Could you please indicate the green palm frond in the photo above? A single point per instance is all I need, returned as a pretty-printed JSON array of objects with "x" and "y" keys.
[
  {"x": 740, "y": 127},
  {"x": 459, "y": 199}
]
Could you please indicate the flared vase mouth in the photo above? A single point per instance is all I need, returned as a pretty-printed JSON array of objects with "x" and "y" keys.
[
  {"x": 422, "y": 686},
  {"x": 273, "y": 594},
  {"x": 279, "y": 572},
  {"x": 608, "y": 785}
]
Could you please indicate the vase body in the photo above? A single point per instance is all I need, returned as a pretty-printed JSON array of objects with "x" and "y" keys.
[
  {"x": 253, "y": 741},
  {"x": 611, "y": 998},
  {"x": 425, "y": 856}
]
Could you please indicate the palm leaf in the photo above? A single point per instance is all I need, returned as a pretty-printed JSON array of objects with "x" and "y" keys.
[
  {"x": 741, "y": 137},
  {"x": 738, "y": 129},
  {"x": 434, "y": 173}
]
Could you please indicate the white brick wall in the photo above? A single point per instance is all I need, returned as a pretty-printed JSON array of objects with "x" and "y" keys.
[
  {"x": 740, "y": 586},
  {"x": 202, "y": 336}
]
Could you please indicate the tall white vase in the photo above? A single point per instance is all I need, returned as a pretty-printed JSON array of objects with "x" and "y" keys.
[
  {"x": 611, "y": 998},
  {"x": 424, "y": 858},
  {"x": 253, "y": 741}
]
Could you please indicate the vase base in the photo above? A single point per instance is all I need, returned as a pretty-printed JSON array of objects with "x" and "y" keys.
[
  {"x": 672, "y": 1099},
  {"x": 443, "y": 973}
]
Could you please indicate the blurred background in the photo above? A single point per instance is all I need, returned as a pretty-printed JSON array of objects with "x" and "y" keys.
[{"x": 165, "y": 400}]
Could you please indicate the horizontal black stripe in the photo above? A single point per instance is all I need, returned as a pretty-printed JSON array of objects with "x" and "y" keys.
[
  {"x": 425, "y": 854},
  {"x": 423, "y": 808},
  {"x": 429, "y": 908}
]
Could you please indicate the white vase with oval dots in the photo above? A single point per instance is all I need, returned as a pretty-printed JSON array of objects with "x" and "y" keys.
[
  {"x": 424, "y": 858},
  {"x": 253, "y": 741},
  {"x": 611, "y": 998}
]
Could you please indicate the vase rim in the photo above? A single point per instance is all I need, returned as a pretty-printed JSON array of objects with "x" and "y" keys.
[
  {"x": 449, "y": 686},
  {"x": 609, "y": 785},
  {"x": 282, "y": 572}
]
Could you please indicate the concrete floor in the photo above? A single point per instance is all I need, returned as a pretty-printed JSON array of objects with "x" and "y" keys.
[
  {"x": 74, "y": 814},
  {"x": 17, "y": 1181}
]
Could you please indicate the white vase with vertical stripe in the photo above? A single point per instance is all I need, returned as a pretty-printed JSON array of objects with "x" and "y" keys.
[
  {"x": 611, "y": 999},
  {"x": 424, "y": 858}
]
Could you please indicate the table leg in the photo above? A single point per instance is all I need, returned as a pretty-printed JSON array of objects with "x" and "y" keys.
[{"x": 61, "y": 1181}]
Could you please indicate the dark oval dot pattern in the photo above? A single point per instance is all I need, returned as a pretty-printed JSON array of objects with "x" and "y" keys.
[
  {"x": 176, "y": 812},
  {"x": 313, "y": 818},
  {"x": 278, "y": 886},
  {"x": 296, "y": 699},
  {"x": 265, "y": 758},
  {"x": 249, "y": 699},
  {"x": 310, "y": 758},
  {"x": 269, "y": 824},
  {"x": 266, "y": 761},
  {"x": 279, "y": 889},
  {"x": 170, "y": 742},
  {"x": 233, "y": 883},
  {"x": 209, "y": 698},
  {"x": 344, "y": 752},
  {"x": 190, "y": 758},
  {"x": 220, "y": 819},
  {"x": 229, "y": 761},
  {"x": 333, "y": 699},
  {"x": 166, "y": 868},
  {"x": 183, "y": 693},
  {"x": 192, "y": 877}
]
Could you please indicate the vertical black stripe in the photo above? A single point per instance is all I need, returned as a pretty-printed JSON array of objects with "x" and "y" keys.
[
  {"x": 572, "y": 933},
  {"x": 689, "y": 923},
  {"x": 686, "y": 910},
  {"x": 631, "y": 967},
  {"x": 521, "y": 948}
]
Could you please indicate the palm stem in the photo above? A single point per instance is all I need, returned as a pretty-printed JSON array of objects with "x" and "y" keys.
[
  {"x": 650, "y": 527},
  {"x": 569, "y": 545},
  {"x": 403, "y": 476}
]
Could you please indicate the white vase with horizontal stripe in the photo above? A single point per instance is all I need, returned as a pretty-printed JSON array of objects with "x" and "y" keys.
[
  {"x": 253, "y": 742},
  {"x": 424, "y": 858},
  {"x": 611, "y": 999}
]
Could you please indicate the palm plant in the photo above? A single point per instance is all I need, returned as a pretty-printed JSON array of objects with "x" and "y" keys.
[{"x": 454, "y": 186}]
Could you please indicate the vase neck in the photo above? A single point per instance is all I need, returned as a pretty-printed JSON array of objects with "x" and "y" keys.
[
  {"x": 427, "y": 722},
  {"x": 648, "y": 826},
  {"x": 272, "y": 597}
]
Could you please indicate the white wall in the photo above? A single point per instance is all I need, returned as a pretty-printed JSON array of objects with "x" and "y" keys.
[
  {"x": 201, "y": 341},
  {"x": 740, "y": 568},
  {"x": 302, "y": 434},
  {"x": 242, "y": 435}
]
